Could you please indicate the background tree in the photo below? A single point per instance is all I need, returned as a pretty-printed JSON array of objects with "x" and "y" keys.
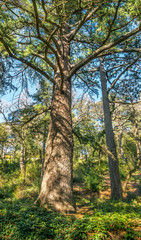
[
  {"x": 3, "y": 139},
  {"x": 119, "y": 74},
  {"x": 89, "y": 144},
  {"x": 127, "y": 121},
  {"x": 116, "y": 189}
]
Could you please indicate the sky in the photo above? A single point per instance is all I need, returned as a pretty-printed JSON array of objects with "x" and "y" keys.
[
  {"x": 14, "y": 98},
  {"x": 11, "y": 99}
]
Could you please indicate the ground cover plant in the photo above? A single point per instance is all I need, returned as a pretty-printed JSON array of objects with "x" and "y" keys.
[{"x": 96, "y": 218}]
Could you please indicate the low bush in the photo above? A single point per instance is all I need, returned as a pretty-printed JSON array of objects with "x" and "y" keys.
[{"x": 22, "y": 220}]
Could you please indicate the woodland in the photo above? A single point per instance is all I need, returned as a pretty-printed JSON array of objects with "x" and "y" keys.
[{"x": 70, "y": 133}]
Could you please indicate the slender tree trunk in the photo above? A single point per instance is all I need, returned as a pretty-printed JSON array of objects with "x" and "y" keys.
[
  {"x": 131, "y": 172},
  {"x": 119, "y": 142},
  {"x": 2, "y": 152},
  {"x": 99, "y": 157},
  {"x": 41, "y": 155},
  {"x": 120, "y": 147},
  {"x": 57, "y": 187},
  {"x": 138, "y": 147},
  {"x": 116, "y": 189},
  {"x": 25, "y": 162},
  {"x": 22, "y": 159},
  {"x": 14, "y": 151},
  {"x": 43, "y": 151}
]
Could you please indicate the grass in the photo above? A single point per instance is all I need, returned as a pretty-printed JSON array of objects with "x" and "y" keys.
[{"x": 20, "y": 219}]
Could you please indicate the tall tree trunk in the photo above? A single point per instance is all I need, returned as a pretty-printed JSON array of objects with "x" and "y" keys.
[
  {"x": 57, "y": 187},
  {"x": 116, "y": 189}
]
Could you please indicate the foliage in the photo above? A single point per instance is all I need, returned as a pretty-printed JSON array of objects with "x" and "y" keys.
[
  {"x": 21, "y": 219},
  {"x": 127, "y": 126},
  {"x": 6, "y": 81},
  {"x": 31, "y": 34},
  {"x": 3, "y": 133},
  {"x": 88, "y": 173}
]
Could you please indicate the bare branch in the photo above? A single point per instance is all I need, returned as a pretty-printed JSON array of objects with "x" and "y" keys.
[
  {"x": 46, "y": 60},
  {"x": 92, "y": 70}
]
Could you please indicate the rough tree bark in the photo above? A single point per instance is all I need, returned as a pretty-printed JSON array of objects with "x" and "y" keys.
[
  {"x": 56, "y": 187},
  {"x": 116, "y": 189}
]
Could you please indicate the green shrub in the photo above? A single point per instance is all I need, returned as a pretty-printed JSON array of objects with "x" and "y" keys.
[
  {"x": 93, "y": 181},
  {"x": 20, "y": 219}
]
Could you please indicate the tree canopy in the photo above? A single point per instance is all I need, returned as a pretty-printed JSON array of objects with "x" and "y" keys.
[{"x": 32, "y": 31}]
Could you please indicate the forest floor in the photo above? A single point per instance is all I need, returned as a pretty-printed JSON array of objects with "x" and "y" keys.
[
  {"x": 85, "y": 197},
  {"x": 97, "y": 217}
]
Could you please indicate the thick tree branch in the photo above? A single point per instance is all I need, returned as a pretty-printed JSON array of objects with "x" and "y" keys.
[
  {"x": 86, "y": 17},
  {"x": 110, "y": 28},
  {"x": 45, "y": 12},
  {"x": 128, "y": 50},
  {"x": 102, "y": 49},
  {"x": 39, "y": 21},
  {"x": 46, "y": 60},
  {"x": 36, "y": 17},
  {"x": 113, "y": 51},
  {"x": 31, "y": 65},
  {"x": 34, "y": 116}
]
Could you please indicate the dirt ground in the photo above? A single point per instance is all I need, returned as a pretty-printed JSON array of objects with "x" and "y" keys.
[
  {"x": 131, "y": 190},
  {"x": 85, "y": 197}
]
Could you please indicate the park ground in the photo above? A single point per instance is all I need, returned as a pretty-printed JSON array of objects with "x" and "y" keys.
[{"x": 97, "y": 216}]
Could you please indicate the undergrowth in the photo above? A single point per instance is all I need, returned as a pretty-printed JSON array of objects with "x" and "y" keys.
[{"x": 20, "y": 219}]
